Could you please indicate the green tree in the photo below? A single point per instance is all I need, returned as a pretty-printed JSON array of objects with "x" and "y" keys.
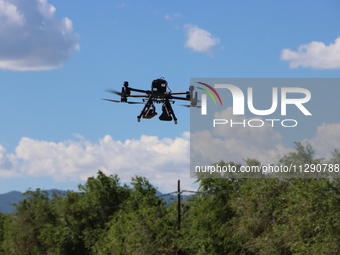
[
  {"x": 258, "y": 205},
  {"x": 303, "y": 157},
  {"x": 84, "y": 214},
  {"x": 227, "y": 216},
  {"x": 207, "y": 226},
  {"x": 140, "y": 227},
  {"x": 289, "y": 216},
  {"x": 65, "y": 224},
  {"x": 2, "y": 221},
  {"x": 32, "y": 226}
]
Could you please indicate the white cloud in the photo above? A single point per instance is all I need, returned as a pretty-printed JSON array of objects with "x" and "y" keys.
[
  {"x": 199, "y": 39},
  {"x": 325, "y": 140},
  {"x": 264, "y": 137},
  {"x": 173, "y": 16},
  {"x": 8, "y": 164},
  {"x": 162, "y": 161},
  {"x": 315, "y": 54},
  {"x": 46, "y": 9},
  {"x": 236, "y": 143},
  {"x": 9, "y": 15},
  {"x": 32, "y": 38}
]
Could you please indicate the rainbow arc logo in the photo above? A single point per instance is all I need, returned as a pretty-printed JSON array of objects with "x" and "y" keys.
[{"x": 204, "y": 97}]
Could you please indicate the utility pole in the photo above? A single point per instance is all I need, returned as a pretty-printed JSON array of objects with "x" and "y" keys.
[
  {"x": 178, "y": 210},
  {"x": 179, "y": 204}
]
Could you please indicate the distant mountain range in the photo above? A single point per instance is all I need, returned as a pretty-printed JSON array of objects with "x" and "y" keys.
[
  {"x": 15, "y": 196},
  {"x": 8, "y": 198}
]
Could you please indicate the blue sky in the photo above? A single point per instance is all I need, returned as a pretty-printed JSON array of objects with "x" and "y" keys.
[{"x": 57, "y": 58}]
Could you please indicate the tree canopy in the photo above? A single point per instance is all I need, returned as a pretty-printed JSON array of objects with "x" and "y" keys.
[{"x": 225, "y": 216}]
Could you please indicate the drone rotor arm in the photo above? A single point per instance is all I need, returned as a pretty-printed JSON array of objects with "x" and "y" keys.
[
  {"x": 180, "y": 98},
  {"x": 137, "y": 96},
  {"x": 139, "y": 90},
  {"x": 135, "y": 102},
  {"x": 117, "y": 101},
  {"x": 180, "y": 93}
]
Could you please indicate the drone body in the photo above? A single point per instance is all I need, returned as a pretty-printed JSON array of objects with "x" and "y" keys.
[{"x": 159, "y": 95}]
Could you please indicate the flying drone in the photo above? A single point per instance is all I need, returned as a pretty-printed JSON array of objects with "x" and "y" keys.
[{"x": 158, "y": 94}]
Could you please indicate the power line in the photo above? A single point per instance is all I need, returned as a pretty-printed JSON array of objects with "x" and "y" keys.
[
  {"x": 137, "y": 202},
  {"x": 191, "y": 191},
  {"x": 123, "y": 205}
]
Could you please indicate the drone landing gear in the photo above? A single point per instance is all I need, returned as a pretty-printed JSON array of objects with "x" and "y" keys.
[
  {"x": 148, "y": 112},
  {"x": 167, "y": 112}
]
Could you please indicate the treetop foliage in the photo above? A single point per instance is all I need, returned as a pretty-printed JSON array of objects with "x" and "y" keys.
[{"x": 226, "y": 216}]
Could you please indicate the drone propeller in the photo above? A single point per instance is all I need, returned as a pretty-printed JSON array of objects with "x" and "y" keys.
[
  {"x": 114, "y": 92},
  {"x": 189, "y": 106},
  {"x": 121, "y": 94},
  {"x": 117, "y": 101}
]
